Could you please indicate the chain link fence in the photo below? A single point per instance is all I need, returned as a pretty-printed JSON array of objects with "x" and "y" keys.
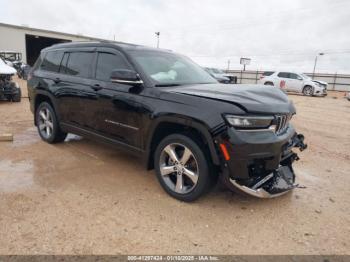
[{"x": 336, "y": 82}]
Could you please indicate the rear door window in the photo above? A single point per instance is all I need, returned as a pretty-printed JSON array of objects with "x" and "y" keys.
[
  {"x": 79, "y": 64},
  {"x": 107, "y": 62},
  {"x": 283, "y": 75},
  {"x": 52, "y": 61}
]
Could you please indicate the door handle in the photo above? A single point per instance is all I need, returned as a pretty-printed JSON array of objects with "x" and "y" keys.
[
  {"x": 57, "y": 80},
  {"x": 96, "y": 87}
]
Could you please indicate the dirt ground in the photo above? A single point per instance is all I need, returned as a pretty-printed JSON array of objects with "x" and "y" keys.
[{"x": 81, "y": 197}]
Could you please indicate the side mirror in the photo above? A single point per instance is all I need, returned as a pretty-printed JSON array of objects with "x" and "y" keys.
[{"x": 127, "y": 77}]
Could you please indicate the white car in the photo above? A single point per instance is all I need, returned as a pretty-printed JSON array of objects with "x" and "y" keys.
[
  {"x": 221, "y": 76},
  {"x": 295, "y": 82}
]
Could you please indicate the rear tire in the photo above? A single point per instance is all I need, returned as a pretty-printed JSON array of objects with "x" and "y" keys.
[
  {"x": 182, "y": 168},
  {"x": 47, "y": 124},
  {"x": 269, "y": 84}
]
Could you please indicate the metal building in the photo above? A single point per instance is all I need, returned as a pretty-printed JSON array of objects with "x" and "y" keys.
[{"x": 30, "y": 41}]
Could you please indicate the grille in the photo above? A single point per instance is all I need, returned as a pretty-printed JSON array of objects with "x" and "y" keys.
[{"x": 282, "y": 122}]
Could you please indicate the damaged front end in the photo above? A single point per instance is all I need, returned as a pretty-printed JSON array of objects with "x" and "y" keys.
[
  {"x": 8, "y": 89},
  {"x": 267, "y": 176},
  {"x": 279, "y": 181}
]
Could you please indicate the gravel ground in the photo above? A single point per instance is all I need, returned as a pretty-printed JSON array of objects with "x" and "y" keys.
[{"x": 81, "y": 197}]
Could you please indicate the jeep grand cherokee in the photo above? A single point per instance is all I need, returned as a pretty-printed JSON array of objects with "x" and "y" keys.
[{"x": 163, "y": 107}]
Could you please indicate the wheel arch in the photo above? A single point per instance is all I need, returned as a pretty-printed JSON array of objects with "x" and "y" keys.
[
  {"x": 308, "y": 85},
  {"x": 43, "y": 97},
  {"x": 269, "y": 83},
  {"x": 167, "y": 125}
]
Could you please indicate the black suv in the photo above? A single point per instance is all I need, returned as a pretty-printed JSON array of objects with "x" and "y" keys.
[{"x": 164, "y": 108}]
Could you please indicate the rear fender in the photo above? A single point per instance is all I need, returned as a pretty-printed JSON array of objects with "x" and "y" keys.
[{"x": 42, "y": 93}]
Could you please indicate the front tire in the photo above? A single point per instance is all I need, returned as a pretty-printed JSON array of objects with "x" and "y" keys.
[
  {"x": 47, "y": 124},
  {"x": 308, "y": 91},
  {"x": 182, "y": 168},
  {"x": 269, "y": 84}
]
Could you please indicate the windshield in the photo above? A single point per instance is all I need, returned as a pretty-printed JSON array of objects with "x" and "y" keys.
[
  {"x": 166, "y": 69},
  {"x": 217, "y": 71},
  {"x": 305, "y": 76}
]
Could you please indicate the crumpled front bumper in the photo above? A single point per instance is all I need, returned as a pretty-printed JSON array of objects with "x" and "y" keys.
[
  {"x": 320, "y": 91},
  {"x": 258, "y": 181},
  {"x": 278, "y": 183}
]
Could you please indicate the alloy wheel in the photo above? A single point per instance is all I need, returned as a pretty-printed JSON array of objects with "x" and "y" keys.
[
  {"x": 45, "y": 123},
  {"x": 308, "y": 91},
  {"x": 179, "y": 168}
]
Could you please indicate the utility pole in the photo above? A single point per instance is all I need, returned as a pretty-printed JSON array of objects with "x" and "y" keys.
[
  {"x": 313, "y": 72},
  {"x": 158, "y": 35},
  {"x": 228, "y": 65}
]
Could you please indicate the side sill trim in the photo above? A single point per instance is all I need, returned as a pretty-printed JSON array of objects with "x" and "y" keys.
[{"x": 99, "y": 137}]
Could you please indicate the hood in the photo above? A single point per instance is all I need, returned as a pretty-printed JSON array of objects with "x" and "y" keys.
[
  {"x": 221, "y": 77},
  {"x": 228, "y": 75},
  {"x": 5, "y": 69},
  {"x": 250, "y": 98},
  {"x": 320, "y": 82}
]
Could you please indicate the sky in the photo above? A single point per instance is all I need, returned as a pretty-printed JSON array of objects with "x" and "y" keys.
[{"x": 275, "y": 34}]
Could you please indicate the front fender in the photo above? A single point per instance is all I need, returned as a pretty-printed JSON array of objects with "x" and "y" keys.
[{"x": 185, "y": 121}]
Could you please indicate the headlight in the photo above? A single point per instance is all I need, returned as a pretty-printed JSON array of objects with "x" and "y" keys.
[{"x": 249, "y": 122}]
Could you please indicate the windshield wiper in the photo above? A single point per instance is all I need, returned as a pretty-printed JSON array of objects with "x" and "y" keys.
[{"x": 165, "y": 85}]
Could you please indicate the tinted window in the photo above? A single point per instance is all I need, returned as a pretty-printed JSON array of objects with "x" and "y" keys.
[
  {"x": 217, "y": 71},
  {"x": 106, "y": 63},
  {"x": 79, "y": 64},
  {"x": 166, "y": 68},
  {"x": 63, "y": 67},
  {"x": 52, "y": 61},
  {"x": 38, "y": 62},
  {"x": 283, "y": 75},
  {"x": 268, "y": 73},
  {"x": 294, "y": 76}
]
